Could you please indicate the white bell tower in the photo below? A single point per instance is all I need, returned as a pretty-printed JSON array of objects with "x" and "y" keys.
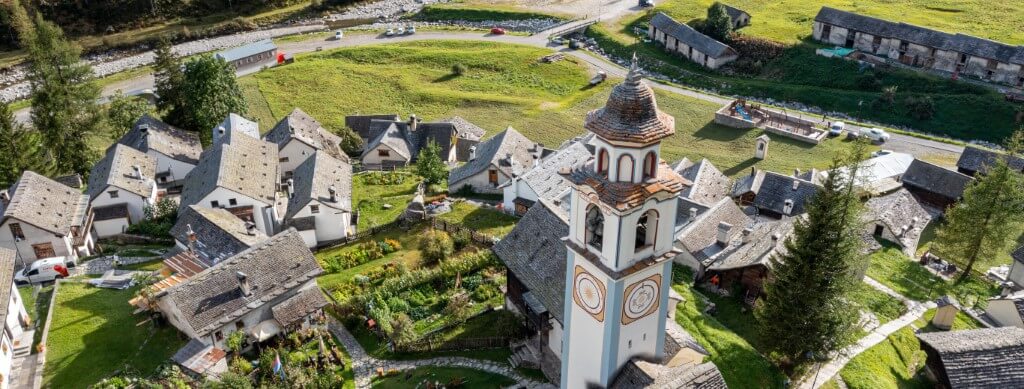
[{"x": 620, "y": 240}]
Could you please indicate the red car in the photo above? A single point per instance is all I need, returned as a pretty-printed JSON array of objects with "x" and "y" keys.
[{"x": 497, "y": 31}]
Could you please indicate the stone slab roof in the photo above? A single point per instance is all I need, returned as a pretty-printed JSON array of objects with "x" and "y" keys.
[
  {"x": 274, "y": 267},
  {"x": 46, "y": 204},
  {"x": 534, "y": 252},
  {"x": 902, "y": 213},
  {"x": 693, "y": 38},
  {"x": 361, "y": 123},
  {"x": 700, "y": 237},
  {"x": 315, "y": 178},
  {"x": 734, "y": 13},
  {"x": 198, "y": 357},
  {"x": 961, "y": 43},
  {"x": 219, "y": 234},
  {"x": 977, "y": 159},
  {"x": 980, "y": 358},
  {"x": 300, "y": 126},
  {"x": 709, "y": 183},
  {"x": 299, "y": 306},
  {"x": 466, "y": 129},
  {"x": 545, "y": 179},
  {"x": 7, "y": 266},
  {"x": 235, "y": 122},
  {"x": 393, "y": 138},
  {"x": 117, "y": 169},
  {"x": 766, "y": 240},
  {"x": 245, "y": 165},
  {"x": 771, "y": 190},
  {"x": 936, "y": 179},
  {"x": 631, "y": 114},
  {"x": 148, "y": 133},
  {"x": 510, "y": 151}
]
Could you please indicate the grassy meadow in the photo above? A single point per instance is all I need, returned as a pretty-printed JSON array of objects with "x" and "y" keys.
[{"x": 504, "y": 86}]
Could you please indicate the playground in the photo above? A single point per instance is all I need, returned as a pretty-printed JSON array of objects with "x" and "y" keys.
[{"x": 741, "y": 114}]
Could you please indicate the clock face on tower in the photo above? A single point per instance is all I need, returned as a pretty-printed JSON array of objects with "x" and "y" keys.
[
  {"x": 641, "y": 299},
  {"x": 588, "y": 293}
]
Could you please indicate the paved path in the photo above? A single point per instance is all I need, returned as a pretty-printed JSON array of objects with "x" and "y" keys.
[
  {"x": 102, "y": 264},
  {"x": 825, "y": 372},
  {"x": 365, "y": 367},
  {"x": 23, "y": 372}
]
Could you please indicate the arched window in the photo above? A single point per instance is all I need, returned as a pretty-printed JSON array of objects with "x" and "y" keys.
[
  {"x": 650, "y": 165},
  {"x": 594, "y": 228},
  {"x": 625, "y": 168},
  {"x": 602, "y": 162},
  {"x": 646, "y": 230}
]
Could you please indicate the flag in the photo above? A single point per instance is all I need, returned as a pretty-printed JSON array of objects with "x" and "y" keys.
[{"x": 278, "y": 367}]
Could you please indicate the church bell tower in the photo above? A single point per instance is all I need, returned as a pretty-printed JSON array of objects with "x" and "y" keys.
[{"x": 620, "y": 249}]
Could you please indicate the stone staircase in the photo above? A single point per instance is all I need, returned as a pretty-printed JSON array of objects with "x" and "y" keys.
[
  {"x": 525, "y": 354},
  {"x": 23, "y": 345}
]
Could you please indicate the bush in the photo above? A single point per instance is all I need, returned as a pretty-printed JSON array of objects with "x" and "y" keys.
[
  {"x": 459, "y": 69},
  {"x": 472, "y": 282},
  {"x": 436, "y": 246},
  {"x": 461, "y": 240},
  {"x": 241, "y": 366},
  {"x": 920, "y": 108},
  {"x": 398, "y": 305},
  {"x": 419, "y": 313},
  {"x": 385, "y": 178},
  {"x": 485, "y": 292}
]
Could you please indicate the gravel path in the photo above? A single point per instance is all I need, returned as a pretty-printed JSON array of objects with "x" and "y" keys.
[{"x": 365, "y": 367}]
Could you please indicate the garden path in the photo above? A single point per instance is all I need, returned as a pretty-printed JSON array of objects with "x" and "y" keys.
[
  {"x": 102, "y": 264},
  {"x": 826, "y": 371},
  {"x": 365, "y": 366}
]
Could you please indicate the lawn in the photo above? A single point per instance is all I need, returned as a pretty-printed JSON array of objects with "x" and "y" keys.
[
  {"x": 494, "y": 323},
  {"x": 483, "y": 220},
  {"x": 505, "y": 86},
  {"x": 892, "y": 268},
  {"x": 93, "y": 335},
  {"x": 741, "y": 365},
  {"x": 409, "y": 255},
  {"x": 471, "y": 378},
  {"x": 1013, "y": 241},
  {"x": 381, "y": 197},
  {"x": 153, "y": 265}
]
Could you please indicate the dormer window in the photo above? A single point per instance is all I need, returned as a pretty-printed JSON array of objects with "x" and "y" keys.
[
  {"x": 595, "y": 228},
  {"x": 314, "y": 208},
  {"x": 650, "y": 165},
  {"x": 602, "y": 162}
]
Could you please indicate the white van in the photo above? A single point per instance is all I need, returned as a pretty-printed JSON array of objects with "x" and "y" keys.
[{"x": 44, "y": 270}]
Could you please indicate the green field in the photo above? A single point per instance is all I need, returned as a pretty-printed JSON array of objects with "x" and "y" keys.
[
  {"x": 94, "y": 334},
  {"x": 504, "y": 86}
]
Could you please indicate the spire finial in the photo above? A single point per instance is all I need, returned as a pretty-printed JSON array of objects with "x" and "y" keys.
[{"x": 634, "y": 69}]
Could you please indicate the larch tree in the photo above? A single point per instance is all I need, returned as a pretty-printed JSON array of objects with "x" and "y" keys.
[
  {"x": 805, "y": 310},
  {"x": 20, "y": 149},
  {"x": 980, "y": 224},
  {"x": 210, "y": 92},
  {"x": 718, "y": 24},
  {"x": 64, "y": 107},
  {"x": 169, "y": 79}
]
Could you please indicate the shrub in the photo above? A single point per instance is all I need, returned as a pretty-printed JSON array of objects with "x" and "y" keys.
[
  {"x": 419, "y": 313},
  {"x": 459, "y": 69},
  {"x": 472, "y": 282},
  {"x": 297, "y": 357},
  {"x": 485, "y": 292},
  {"x": 458, "y": 308},
  {"x": 920, "y": 108},
  {"x": 436, "y": 246},
  {"x": 398, "y": 305},
  {"x": 234, "y": 341},
  {"x": 461, "y": 239},
  {"x": 241, "y": 366}
]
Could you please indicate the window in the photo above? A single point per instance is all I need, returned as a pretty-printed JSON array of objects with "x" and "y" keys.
[
  {"x": 283, "y": 159},
  {"x": 492, "y": 176},
  {"x": 218, "y": 335},
  {"x": 594, "y": 228},
  {"x": 215, "y": 204},
  {"x": 16, "y": 231},
  {"x": 646, "y": 230},
  {"x": 43, "y": 250},
  {"x": 232, "y": 202},
  {"x": 650, "y": 165},
  {"x": 383, "y": 153},
  {"x": 163, "y": 179},
  {"x": 625, "y": 168},
  {"x": 239, "y": 325},
  {"x": 113, "y": 194},
  {"x": 314, "y": 208},
  {"x": 602, "y": 162}
]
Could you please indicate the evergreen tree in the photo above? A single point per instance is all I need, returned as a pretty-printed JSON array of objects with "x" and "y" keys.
[
  {"x": 718, "y": 24},
  {"x": 20, "y": 149},
  {"x": 210, "y": 93},
  {"x": 805, "y": 309},
  {"x": 169, "y": 78},
  {"x": 429, "y": 165},
  {"x": 351, "y": 143},
  {"x": 980, "y": 224},
  {"x": 64, "y": 107},
  {"x": 123, "y": 112}
]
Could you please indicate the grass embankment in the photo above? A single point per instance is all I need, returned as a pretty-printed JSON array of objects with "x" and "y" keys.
[
  {"x": 504, "y": 86},
  {"x": 491, "y": 324},
  {"x": 892, "y": 268},
  {"x": 483, "y": 220},
  {"x": 381, "y": 197},
  {"x": 831, "y": 84},
  {"x": 445, "y": 375},
  {"x": 93, "y": 334},
  {"x": 478, "y": 13}
]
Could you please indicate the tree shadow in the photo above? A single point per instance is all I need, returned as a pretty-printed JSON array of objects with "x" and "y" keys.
[
  {"x": 446, "y": 77},
  {"x": 717, "y": 132}
]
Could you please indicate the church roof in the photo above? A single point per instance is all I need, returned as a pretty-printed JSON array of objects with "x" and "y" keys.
[
  {"x": 625, "y": 195},
  {"x": 631, "y": 113}
]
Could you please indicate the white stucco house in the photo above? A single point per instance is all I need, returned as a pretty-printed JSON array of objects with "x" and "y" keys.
[
  {"x": 42, "y": 218},
  {"x": 16, "y": 339},
  {"x": 239, "y": 174},
  {"x": 176, "y": 151},
  {"x": 266, "y": 290},
  {"x": 1007, "y": 311},
  {"x": 320, "y": 200},
  {"x": 544, "y": 181},
  {"x": 235, "y": 122},
  {"x": 297, "y": 137},
  {"x": 211, "y": 235},
  {"x": 121, "y": 187},
  {"x": 495, "y": 161}
]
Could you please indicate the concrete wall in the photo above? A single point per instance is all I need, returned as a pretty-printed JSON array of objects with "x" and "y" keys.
[
  {"x": 34, "y": 235},
  {"x": 136, "y": 204},
  {"x": 1004, "y": 312},
  {"x": 724, "y": 117},
  {"x": 108, "y": 228}
]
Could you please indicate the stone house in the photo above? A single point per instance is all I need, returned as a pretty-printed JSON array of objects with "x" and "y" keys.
[
  {"x": 704, "y": 231},
  {"x": 934, "y": 185},
  {"x": 975, "y": 160},
  {"x": 398, "y": 143},
  {"x": 254, "y": 55},
  {"x": 235, "y": 122},
  {"x": 978, "y": 358},
  {"x": 297, "y": 137},
  {"x": 16, "y": 339},
  {"x": 267, "y": 290},
  {"x": 775, "y": 195},
  {"x": 544, "y": 181},
  {"x": 239, "y": 174},
  {"x": 42, "y": 218},
  {"x": 496, "y": 161},
  {"x": 678, "y": 38},
  {"x": 707, "y": 186},
  {"x": 320, "y": 200},
  {"x": 740, "y": 18},
  {"x": 176, "y": 151},
  {"x": 898, "y": 217},
  {"x": 211, "y": 235},
  {"x": 121, "y": 187},
  {"x": 915, "y": 46}
]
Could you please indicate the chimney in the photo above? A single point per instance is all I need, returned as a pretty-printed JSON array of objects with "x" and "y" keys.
[
  {"x": 796, "y": 172},
  {"x": 243, "y": 283},
  {"x": 413, "y": 122},
  {"x": 472, "y": 153},
  {"x": 291, "y": 188},
  {"x": 333, "y": 192},
  {"x": 748, "y": 234},
  {"x": 693, "y": 213},
  {"x": 913, "y": 222},
  {"x": 1007, "y": 288},
  {"x": 796, "y": 184},
  {"x": 775, "y": 237},
  {"x": 723, "y": 233},
  {"x": 787, "y": 207},
  {"x": 5, "y": 197},
  {"x": 144, "y": 128},
  {"x": 191, "y": 238},
  {"x": 250, "y": 228}
]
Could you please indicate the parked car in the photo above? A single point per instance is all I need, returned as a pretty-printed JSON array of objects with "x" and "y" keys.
[
  {"x": 400, "y": 31},
  {"x": 836, "y": 129},
  {"x": 389, "y": 32},
  {"x": 498, "y": 31},
  {"x": 646, "y": 3},
  {"x": 598, "y": 78},
  {"x": 881, "y": 152},
  {"x": 44, "y": 270},
  {"x": 338, "y": 34},
  {"x": 410, "y": 30},
  {"x": 875, "y": 134}
]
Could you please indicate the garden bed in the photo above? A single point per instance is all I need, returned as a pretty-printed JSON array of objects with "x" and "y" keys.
[{"x": 450, "y": 376}]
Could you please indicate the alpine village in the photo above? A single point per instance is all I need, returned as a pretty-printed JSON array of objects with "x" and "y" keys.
[{"x": 512, "y": 194}]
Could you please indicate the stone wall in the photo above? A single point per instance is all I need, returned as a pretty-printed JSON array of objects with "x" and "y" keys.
[{"x": 724, "y": 117}]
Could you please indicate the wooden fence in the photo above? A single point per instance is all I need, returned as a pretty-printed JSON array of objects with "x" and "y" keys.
[
  {"x": 437, "y": 344},
  {"x": 455, "y": 228}
]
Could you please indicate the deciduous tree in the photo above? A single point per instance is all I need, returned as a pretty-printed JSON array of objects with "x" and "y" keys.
[
  {"x": 429, "y": 165},
  {"x": 210, "y": 93},
  {"x": 718, "y": 24},
  {"x": 123, "y": 112},
  {"x": 980, "y": 224}
]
